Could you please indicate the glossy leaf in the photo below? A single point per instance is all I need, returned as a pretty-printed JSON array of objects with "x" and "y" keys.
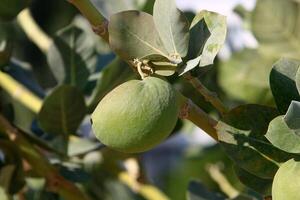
[
  {"x": 62, "y": 111},
  {"x": 173, "y": 28},
  {"x": 132, "y": 34},
  {"x": 242, "y": 150},
  {"x": 282, "y": 83},
  {"x": 284, "y": 131},
  {"x": 72, "y": 57},
  {"x": 278, "y": 34},
  {"x": 217, "y": 27},
  {"x": 199, "y": 34},
  {"x": 260, "y": 185},
  {"x": 197, "y": 191},
  {"x": 242, "y": 139}
]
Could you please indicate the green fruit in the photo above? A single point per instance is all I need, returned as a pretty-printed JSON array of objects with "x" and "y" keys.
[
  {"x": 286, "y": 183},
  {"x": 136, "y": 115},
  {"x": 9, "y": 9}
]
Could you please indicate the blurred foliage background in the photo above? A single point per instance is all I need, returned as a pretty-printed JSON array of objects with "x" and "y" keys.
[{"x": 187, "y": 155}]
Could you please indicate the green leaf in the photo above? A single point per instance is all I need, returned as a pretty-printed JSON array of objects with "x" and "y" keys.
[
  {"x": 282, "y": 83},
  {"x": 132, "y": 34},
  {"x": 78, "y": 146},
  {"x": 217, "y": 27},
  {"x": 189, "y": 65},
  {"x": 199, "y": 34},
  {"x": 260, "y": 185},
  {"x": 241, "y": 148},
  {"x": 9, "y": 9},
  {"x": 197, "y": 191},
  {"x": 62, "y": 111},
  {"x": 72, "y": 56},
  {"x": 173, "y": 28},
  {"x": 286, "y": 181},
  {"x": 114, "y": 74},
  {"x": 246, "y": 77},
  {"x": 298, "y": 80},
  {"x": 284, "y": 131},
  {"x": 242, "y": 137},
  {"x": 279, "y": 33}
]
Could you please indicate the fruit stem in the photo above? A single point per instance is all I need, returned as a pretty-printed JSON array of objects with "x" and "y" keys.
[
  {"x": 97, "y": 20},
  {"x": 206, "y": 93},
  {"x": 33, "y": 31},
  {"x": 190, "y": 111}
]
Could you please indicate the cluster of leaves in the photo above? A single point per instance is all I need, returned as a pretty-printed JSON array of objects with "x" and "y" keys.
[{"x": 257, "y": 138}]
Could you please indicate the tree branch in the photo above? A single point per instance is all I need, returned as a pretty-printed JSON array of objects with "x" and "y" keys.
[
  {"x": 33, "y": 31},
  {"x": 20, "y": 93},
  {"x": 191, "y": 112},
  {"x": 40, "y": 164},
  {"x": 98, "y": 21},
  {"x": 207, "y": 94}
]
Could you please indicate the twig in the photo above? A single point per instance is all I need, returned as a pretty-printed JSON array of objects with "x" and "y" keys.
[
  {"x": 40, "y": 164},
  {"x": 98, "y": 21},
  {"x": 190, "y": 111},
  {"x": 207, "y": 94},
  {"x": 20, "y": 93},
  {"x": 216, "y": 174},
  {"x": 33, "y": 31}
]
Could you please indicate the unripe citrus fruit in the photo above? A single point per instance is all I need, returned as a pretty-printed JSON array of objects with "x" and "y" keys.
[
  {"x": 286, "y": 183},
  {"x": 136, "y": 115}
]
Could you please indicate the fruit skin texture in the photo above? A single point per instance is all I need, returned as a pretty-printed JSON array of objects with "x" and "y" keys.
[
  {"x": 136, "y": 115},
  {"x": 286, "y": 183}
]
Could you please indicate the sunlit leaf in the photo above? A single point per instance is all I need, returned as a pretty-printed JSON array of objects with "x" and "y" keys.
[
  {"x": 173, "y": 28},
  {"x": 217, "y": 27},
  {"x": 132, "y": 34},
  {"x": 286, "y": 181},
  {"x": 284, "y": 131}
]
